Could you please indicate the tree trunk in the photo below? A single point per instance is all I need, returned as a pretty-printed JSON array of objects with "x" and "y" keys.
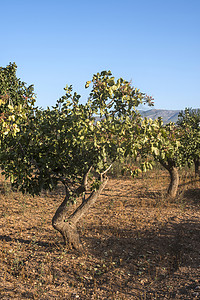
[
  {"x": 196, "y": 165},
  {"x": 174, "y": 181},
  {"x": 174, "y": 178},
  {"x": 67, "y": 226}
]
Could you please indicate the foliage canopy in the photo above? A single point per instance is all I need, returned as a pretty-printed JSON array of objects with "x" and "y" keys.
[
  {"x": 15, "y": 100},
  {"x": 65, "y": 142}
]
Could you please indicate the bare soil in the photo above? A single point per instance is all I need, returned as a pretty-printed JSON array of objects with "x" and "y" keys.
[{"x": 138, "y": 244}]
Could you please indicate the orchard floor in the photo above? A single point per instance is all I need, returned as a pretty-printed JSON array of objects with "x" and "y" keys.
[{"x": 138, "y": 244}]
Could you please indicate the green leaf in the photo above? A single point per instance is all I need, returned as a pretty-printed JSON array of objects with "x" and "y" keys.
[
  {"x": 87, "y": 84},
  {"x": 155, "y": 150}
]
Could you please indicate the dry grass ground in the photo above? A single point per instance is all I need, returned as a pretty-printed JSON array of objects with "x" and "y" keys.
[{"x": 138, "y": 244}]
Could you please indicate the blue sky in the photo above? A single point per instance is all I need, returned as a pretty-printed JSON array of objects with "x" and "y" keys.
[{"x": 154, "y": 43}]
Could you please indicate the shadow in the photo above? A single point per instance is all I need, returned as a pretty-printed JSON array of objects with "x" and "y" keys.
[
  {"x": 49, "y": 246},
  {"x": 58, "y": 191},
  {"x": 5, "y": 188},
  {"x": 142, "y": 242},
  {"x": 158, "y": 254},
  {"x": 189, "y": 182},
  {"x": 192, "y": 195},
  {"x": 151, "y": 194}
]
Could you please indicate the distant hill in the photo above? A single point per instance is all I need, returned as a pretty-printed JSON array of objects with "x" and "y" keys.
[{"x": 166, "y": 115}]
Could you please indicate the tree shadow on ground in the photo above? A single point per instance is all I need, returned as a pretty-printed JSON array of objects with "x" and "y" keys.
[
  {"x": 47, "y": 246},
  {"x": 191, "y": 181},
  {"x": 192, "y": 195},
  {"x": 151, "y": 194},
  {"x": 154, "y": 256},
  {"x": 172, "y": 238},
  {"x": 189, "y": 196},
  {"x": 140, "y": 260}
]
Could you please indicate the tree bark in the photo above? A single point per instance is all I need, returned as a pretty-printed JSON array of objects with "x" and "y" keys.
[
  {"x": 174, "y": 177},
  {"x": 67, "y": 226},
  {"x": 196, "y": 165},
  {"x": 174, "y": 181}
]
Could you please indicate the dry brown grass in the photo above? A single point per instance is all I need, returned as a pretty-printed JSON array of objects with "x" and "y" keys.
[{"x": 138, "y": 244}]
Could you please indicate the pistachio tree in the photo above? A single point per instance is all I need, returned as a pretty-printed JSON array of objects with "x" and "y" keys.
[
  {"x": 75, "y": 144},
  {"x": 15, "y": 99},
  {"x": 189, "y": 127},
  {"x": 163, "y": 143}
]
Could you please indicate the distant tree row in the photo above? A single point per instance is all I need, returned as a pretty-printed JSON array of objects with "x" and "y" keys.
[{"x": 40, "y": 148}]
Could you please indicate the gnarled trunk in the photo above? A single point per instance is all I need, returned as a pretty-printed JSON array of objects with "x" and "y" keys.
[
  {"x": 174, "y": 177},
  {"x": 174, "y": 181},
  {"x": 67, "y": 226},
  {"x": 196, "y": 165}
]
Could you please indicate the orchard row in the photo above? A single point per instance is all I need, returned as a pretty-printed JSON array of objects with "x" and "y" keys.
[{"x": 76, "y": 144}]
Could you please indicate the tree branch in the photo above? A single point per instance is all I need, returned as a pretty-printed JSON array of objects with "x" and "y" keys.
[
  {"x": 83, "y": 187},
  {"x": 104, "y": 172}
]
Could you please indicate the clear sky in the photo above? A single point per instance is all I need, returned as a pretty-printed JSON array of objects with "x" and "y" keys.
[{"x": 154, "y": 43}]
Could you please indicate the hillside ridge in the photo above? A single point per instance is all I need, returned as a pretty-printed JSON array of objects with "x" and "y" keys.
[{"x": 165, "y": 114}]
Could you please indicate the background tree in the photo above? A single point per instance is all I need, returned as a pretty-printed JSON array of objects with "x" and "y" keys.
[
  {"x": 189, "y": 126},
  {"x": 163, "y": 143},
  {"x": 67, "y": 144}
]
